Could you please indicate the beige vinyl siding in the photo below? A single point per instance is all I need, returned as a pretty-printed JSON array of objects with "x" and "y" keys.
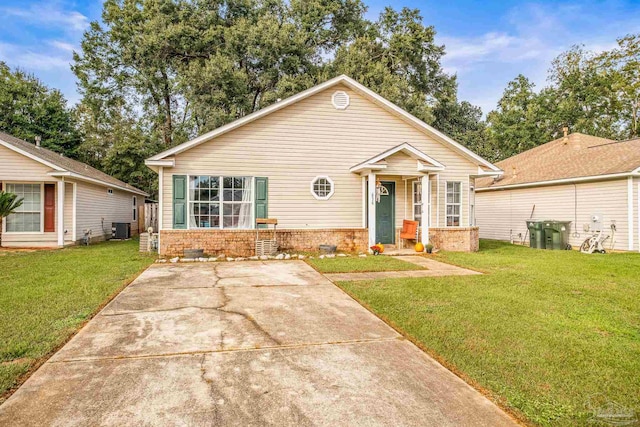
[
  {"x": 17, "y": 167},
  {"x": 96, "y": 204},
  {"x": 311, "y": 138},
  {"x": 502, "y": 214}
]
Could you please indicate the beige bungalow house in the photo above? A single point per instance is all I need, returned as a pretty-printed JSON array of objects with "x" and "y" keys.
[
  {"x": 577, "y": 178},
  {"x": 64, "y": 200},
  {"x": 336, "y": 164}
]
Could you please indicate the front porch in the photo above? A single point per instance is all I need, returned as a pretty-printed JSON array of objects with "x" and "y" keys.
[{"x": 406, "y": 184}]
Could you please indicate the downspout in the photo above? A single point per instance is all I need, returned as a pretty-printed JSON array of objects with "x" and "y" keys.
[{"x": 160, "y": 202}]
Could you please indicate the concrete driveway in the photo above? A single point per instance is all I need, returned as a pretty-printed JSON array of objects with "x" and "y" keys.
[{"x": 245, "y": 343}]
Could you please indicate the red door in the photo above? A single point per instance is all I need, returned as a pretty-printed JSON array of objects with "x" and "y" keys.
[{"x": 49, "y": 207}]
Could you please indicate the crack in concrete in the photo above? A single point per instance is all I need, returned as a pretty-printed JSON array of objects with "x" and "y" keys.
[
  {"x": 226, "y": 300},
  {"x": 229, "y": 350}
]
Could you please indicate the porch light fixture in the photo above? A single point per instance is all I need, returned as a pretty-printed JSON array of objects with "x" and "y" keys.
[{"x": 381, "y": 190}]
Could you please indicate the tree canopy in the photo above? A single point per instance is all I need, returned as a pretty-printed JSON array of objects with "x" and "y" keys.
[{"x": 29, "y": 109}]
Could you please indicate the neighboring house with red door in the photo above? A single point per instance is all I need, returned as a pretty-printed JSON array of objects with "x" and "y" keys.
[
  {"x": 64, "y": 200},
  {"x": 336, "y": 164}
]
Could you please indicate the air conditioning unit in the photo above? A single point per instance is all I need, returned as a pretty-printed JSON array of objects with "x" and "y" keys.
[{"x": 120, "y": 230}]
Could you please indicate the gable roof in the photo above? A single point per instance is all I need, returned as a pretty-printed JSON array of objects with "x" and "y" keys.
[
  {"x": 63, "y": 166},
  {"x": 405, "y": 148},
  {"x": 158, "y": 159},
  {"x": 576, "y": 157}
]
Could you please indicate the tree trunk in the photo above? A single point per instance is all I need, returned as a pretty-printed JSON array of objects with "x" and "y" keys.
[{"x": 168, "y": 123}]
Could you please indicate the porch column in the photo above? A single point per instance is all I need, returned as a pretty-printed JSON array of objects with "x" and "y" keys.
[
  {"x": 372, "y": 208},
  {"x": 424, "y": 185},
  {"x": 60, "y": 214}
]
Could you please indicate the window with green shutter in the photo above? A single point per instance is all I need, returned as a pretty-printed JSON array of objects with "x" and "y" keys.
[{"x": 179, "y": 201}]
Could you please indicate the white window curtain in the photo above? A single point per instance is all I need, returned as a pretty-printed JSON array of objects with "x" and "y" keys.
[
  {"x": 220, "y": 202},
  {"x": 246, "y": 208}
]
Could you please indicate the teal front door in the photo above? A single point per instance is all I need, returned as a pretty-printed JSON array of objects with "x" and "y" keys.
[{"x": 385, "y": 215}]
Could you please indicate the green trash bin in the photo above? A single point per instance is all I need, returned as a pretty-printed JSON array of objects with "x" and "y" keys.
[
  {"x": 536, "y": 234},
  {"x": 556, "y": 235}
]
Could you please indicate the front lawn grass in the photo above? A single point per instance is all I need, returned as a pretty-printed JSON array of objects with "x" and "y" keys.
[
  {"x": 548, "y": 334},
  {"x": 370, "y": 263},
  {"x": 45, "y": 296}
]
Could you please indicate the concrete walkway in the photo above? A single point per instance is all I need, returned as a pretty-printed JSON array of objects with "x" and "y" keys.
[
  {"x": 245, "y": 343},
  {"x": 434, "y": 269}
]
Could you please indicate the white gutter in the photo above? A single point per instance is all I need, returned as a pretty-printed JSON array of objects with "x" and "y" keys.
[
  {"x": 559, "y": 181},
  {"x": 96, "y": 181}
]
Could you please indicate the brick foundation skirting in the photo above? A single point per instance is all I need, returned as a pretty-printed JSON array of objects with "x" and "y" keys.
[
  {"x": 237, "y": 243},
  {"x": 463, "y": 239},
  {"x": 241, "y": 243}
]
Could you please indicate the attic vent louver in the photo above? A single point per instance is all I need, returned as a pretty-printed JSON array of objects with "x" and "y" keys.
[{"x": 340, "y": 100}]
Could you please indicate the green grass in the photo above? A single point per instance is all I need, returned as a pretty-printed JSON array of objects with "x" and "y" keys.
[
  {"x": 544, "y": 332},
  {"x": 359, "y": 265},
  {"x": 45, "y": 296}
]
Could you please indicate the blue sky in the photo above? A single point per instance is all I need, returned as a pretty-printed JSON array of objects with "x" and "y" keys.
[{"x": 488, "y": 42}]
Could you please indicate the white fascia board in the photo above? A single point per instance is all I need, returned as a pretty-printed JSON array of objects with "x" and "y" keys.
[
  {"x": 95, "y": 181},
  {"x": 31, "y": 156},
  {"x": 425, "y": 168},
  {"x": 557, "y": 181},
  {"x": 164, "y": 163},
  {"x": 367, "y": 167},
  {"x": 347, "y": 81}
]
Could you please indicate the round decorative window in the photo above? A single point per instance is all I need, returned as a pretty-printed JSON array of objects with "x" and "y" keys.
[{"x": 322, "y": 187}]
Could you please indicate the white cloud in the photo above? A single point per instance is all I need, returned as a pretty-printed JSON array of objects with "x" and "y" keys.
[
  {"x": 525, "y": 40},
  {"x": 61, "y": 45},
  {"x": 30, "y": 59},
  {"x": 48, "y": 14}
]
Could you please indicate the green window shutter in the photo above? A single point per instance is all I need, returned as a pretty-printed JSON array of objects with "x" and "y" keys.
[
  {"x": 262, "y": 198},
  {"x": 179, "y": 201}
]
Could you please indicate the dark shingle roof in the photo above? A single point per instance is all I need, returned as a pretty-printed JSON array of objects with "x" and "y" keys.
[
  {"x": 578, "y": 155},
  {"x": 66, "y": 163}
]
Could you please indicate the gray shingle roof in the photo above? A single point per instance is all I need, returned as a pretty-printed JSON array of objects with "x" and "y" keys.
[
  {"x": 577, "y": 156},
  {"x": 65, "y": 163}
]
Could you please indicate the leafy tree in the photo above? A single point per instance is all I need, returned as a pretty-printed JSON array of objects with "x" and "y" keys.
[
  {"x": 623, "y": 68},
  {"x": 397, "y": 57},
  {"x": 9, "y": 203},
  {"x": 463, "y": 122},
  {"x": 29, "y": 109},
  {"x": 584, "y": 98},
  {"x": 514, "y": 125}
]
